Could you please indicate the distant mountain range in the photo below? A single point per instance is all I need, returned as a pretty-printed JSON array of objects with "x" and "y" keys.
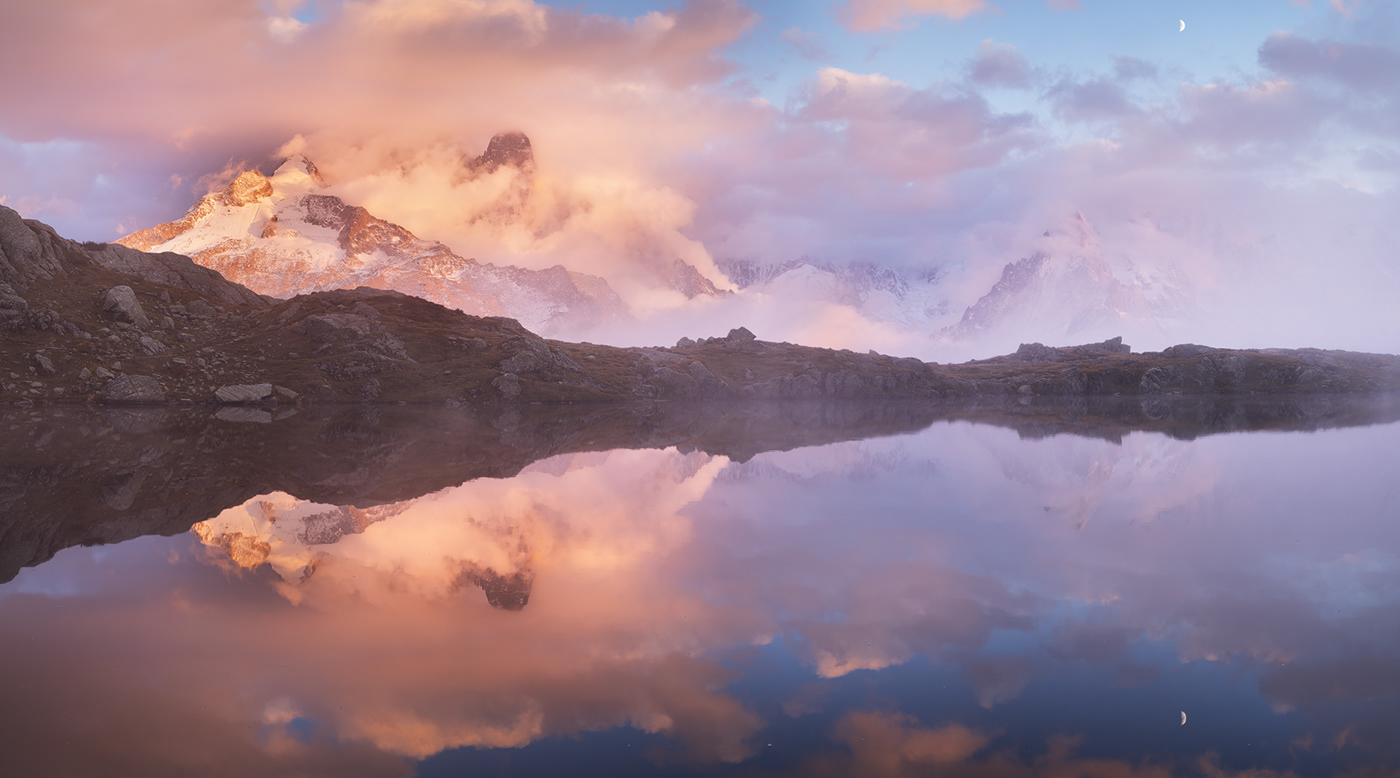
[
  {"x": 283, "y": 235},
  {"x": 1066, "y": 288}
]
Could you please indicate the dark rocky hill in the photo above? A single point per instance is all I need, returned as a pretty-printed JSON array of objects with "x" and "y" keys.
[{"x": 100, "y": 323}]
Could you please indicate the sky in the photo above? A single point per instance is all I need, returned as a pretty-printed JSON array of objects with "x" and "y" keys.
[{"x": 1253, "y": 152}]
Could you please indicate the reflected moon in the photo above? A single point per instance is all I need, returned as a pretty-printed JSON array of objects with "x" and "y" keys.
[
  {"x": 1183, "y": 25},
  {"x": 1183, "y": 718}
]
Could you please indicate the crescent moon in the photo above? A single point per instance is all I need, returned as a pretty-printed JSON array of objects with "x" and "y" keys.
[
  {"x": 1183, "y": 718},
  {"x": 1183, "y": 25}
]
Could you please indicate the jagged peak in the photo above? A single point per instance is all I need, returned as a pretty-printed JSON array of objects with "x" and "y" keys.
[
  {"x": 299, "y": 164},
  {"x": 1074, "y": 232},
  {"x": 297, "y": 173},
  {"x": 505, "y": 148}
]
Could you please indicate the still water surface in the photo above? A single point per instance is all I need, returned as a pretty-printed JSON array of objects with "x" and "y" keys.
[{"x": 950, "y": 599}]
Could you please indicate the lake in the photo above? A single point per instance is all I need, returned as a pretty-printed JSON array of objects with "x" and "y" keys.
[{"x": 1197, "y": 587}]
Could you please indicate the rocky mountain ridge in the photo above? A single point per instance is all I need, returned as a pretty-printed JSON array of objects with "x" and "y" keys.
[
  {"x": 78, "y": 330},
  {"x": 878, "y": 292}
]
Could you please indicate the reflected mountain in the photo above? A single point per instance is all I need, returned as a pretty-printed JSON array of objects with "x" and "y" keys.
[
  {"x": 961, "y": 598},
  {"x": 79, "y": 476}
]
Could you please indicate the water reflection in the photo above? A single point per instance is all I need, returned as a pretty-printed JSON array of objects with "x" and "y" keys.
[{"x": 956, "y": 599}]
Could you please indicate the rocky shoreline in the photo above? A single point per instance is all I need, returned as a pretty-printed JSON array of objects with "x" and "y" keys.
[
  {"x": 97, "y": 475},
  {"x": 105, "y": 324}
]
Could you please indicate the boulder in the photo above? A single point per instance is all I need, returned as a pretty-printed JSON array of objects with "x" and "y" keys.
[
  {"x": 242, "y": 394},
  {"x": 508, "y": 384},
  {"x": 1037, "y": 352},
  {"x": 132, "y": 389},
  {"x": 149, "y": 345},
  {"x": 44, "y": 364},
  {"x": 369, "y": 390},
  {"x": 12, "y": 307},
  {"x": 1116, "y": 346},
  {"x": 1186, "y": 350},
  {"x": 740, "y": 334},
  {"x": 121, "y": 304}
]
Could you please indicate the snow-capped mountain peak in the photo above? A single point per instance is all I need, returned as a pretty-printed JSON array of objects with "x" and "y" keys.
[
  {"x": 285, "y": 235},
  {"x": 296, "y": 175},
  {"x": 1067, "y": 288}
]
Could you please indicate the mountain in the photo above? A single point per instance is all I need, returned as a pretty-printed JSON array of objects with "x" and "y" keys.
[
  {"x": 81, "y": 330},
  {"x": 283, "y": 236},
  {"x": 879, "y": 293},
  {"x": 1067, "y": 288},
  {"x": 294, "y": 536}
]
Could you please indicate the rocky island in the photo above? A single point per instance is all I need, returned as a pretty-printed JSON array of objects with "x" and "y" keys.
[{"x": 104, "y": 323}]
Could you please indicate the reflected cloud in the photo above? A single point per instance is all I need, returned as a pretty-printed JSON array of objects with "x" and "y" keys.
[{"x": 598, "y": 590}]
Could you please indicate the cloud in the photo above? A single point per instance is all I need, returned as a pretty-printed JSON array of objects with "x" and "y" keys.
[
  {"x": 884, "y": 744},
  {"x": 368, "y": 65},
  {"x": 1366, "y": 67},
  {"x": 1088, "y": 101},
  {"x": 1129, "y": 68},
  {"x": 647, "y": 152},
  {"x": 904, "y": 133},
  {"x": 870, "y": 15},
  {"x": 999, "y": 64},
  {"x": 808, "y": 45},
  {"x": 285, "y": 29}
]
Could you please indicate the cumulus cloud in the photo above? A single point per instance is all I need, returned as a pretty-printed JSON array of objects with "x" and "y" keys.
[
  {"x": 868, "y": 15},
  {"x": 902, "y": 133},
  {"x": 285, "y": 29},
  {"x": 459, "y": 70},
  {"x": 999, "y": 64},
  {"x": 1368, "y": 67},
  {"x": 1095, "y": 100}
]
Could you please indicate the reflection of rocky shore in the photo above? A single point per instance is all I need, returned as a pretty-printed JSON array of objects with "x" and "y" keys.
[
  {"x": 75, "y": 476},
  {"x": 1185, "y": 417}
]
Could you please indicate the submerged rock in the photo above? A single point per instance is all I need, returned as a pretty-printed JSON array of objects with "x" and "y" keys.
[
  {"x": 242, "y": 394},
  {"x": 133, "y": 389}
]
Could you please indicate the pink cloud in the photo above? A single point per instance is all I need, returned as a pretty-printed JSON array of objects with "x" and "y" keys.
[{"x": 869, "y": 15}]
